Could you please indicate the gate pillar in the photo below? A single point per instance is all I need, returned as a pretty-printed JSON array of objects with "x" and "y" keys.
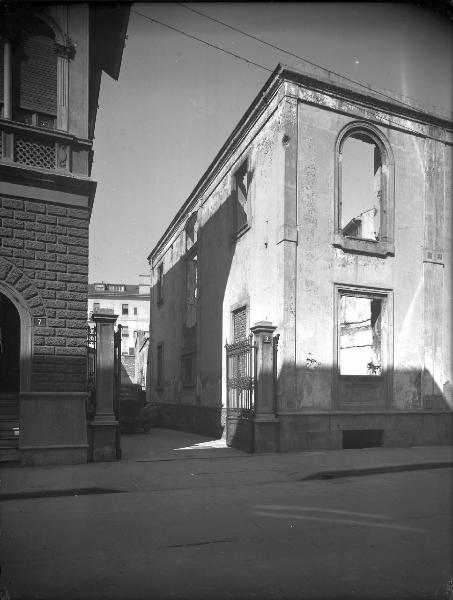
[
  {"x": 104, "y": 425},
  {"x": 266, "y": 422}
]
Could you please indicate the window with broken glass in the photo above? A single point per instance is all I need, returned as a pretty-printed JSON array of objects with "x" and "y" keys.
[
  {"x": 364, "y": 191},
  {"x": 242, "y": 198},
  {"x": 361, "y": 192},
  {"x": 360, "y": 335}
]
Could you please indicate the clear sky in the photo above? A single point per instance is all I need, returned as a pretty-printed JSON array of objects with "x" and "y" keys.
[{"x": 177, "y": 100}]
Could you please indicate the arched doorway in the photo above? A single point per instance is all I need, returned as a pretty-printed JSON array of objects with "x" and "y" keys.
[
  {"x": 9, "y": 346},
  {"x": 10, "y": 341}
]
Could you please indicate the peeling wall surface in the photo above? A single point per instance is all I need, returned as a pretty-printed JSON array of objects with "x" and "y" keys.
[{"x": 364, "y": 319}]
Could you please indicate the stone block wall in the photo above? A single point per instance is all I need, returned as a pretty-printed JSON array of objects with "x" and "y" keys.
[{"x": 44, "y": 256}]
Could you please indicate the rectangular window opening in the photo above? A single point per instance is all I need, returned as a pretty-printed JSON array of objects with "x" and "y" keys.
[
  {"x": 160, "y": 365},
  {"x": 125, "y": 309},
  {"x": 160, "y": 283},
  {"x": 242, "y": 204},
  {"x": 188, "y": 370},
  {"x": 240, "y": 324},
  {"x": 360, "y": 345}
]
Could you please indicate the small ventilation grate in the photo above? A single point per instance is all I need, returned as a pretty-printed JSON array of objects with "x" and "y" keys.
[
  {"x": 362, "y": 438},
  {"x": 32, "y": 153}
]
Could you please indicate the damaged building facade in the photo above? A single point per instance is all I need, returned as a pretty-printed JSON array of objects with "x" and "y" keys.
[{"x": 325, "y": 220}]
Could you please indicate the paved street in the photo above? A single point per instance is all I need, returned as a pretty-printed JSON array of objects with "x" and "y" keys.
[{"x": 228, "y": 525}]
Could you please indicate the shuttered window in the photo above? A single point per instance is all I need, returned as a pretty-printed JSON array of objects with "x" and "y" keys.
[
  {"x": 34, "y": 88},
  {"x": 240, "y": 324}
]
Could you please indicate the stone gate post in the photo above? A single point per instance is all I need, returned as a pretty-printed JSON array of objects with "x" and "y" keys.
[
  {"x": 266, "y": 422},
  {"x": 104, "y": 425}
]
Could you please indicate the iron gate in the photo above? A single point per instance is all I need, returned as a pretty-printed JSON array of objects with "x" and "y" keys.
[
  {"x": 241, "y": 385},
  {"x": 117, "y": 336},
  {"x": 91, "y": 372}
]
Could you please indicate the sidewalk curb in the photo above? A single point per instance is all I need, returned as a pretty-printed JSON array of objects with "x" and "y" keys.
[{"x": 359, "y": 472}]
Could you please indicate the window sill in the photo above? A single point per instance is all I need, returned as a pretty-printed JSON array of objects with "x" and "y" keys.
[
  {"x": 362, "y": 246},
  {"x": 362, "y": 379},
  {"x": 240, "y": 232}
]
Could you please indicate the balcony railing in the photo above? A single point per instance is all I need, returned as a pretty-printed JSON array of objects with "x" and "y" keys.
[{"x": 44, "y": 149}]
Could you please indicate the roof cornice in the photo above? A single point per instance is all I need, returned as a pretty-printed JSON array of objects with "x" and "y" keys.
[{"x": 315, "y": 79}]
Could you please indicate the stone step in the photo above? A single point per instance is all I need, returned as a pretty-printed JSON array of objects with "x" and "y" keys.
[
  {"x": 11, "y": 416},
  {"x": 9, "y": 457},
  {"x": 10, "y": 442},
  {"x": 6, "y": 424}
]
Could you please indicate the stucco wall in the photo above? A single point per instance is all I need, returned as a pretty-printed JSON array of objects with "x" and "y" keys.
[
  {"x": 232, "y": 270},
  {"x": 320, "y": 265},
  {"x": 288, "y": 268}
]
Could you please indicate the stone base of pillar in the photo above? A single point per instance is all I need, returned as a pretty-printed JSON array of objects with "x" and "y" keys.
[
  {"x": 103, "y": 440},
  {"x": 267, "y": 434}
]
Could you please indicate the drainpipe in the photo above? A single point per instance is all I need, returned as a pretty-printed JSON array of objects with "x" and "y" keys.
[{"x": 7, "y": 81}]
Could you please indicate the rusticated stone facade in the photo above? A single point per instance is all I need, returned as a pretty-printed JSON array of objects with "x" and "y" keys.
[
  {"x": 44, "y": 255},
  {"x": 46, "y": 199}
]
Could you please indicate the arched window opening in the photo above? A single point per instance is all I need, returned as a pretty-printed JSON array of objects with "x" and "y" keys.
[
  {"x": 361, "y": 188},
  {"x": 34, "y": 81},
  {"x": 364, "y": 191}
]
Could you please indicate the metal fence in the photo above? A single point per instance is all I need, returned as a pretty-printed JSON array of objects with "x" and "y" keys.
[{"x": 240, "y": 376}]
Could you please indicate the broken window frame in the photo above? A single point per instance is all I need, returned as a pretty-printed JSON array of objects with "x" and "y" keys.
[
  {"x": 374, "y": 364},
  {"x": 160, "y": 283},
  {"x": 241, "y": 195},
  {"x": 191, "y": 231},
  {"x": 385, "y": 245},
  {"x": 386, "y": 297}
]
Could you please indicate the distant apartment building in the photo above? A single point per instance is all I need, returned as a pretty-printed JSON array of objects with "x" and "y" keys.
[{"x": 129, "y": 302}]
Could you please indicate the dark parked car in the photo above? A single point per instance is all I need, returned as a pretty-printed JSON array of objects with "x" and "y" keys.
[{"x": 135, "y": 412}]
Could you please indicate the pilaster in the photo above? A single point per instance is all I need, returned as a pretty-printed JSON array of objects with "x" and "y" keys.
[
  {"x": 104, "y": 425},
  {"x": 265, "y": 421}
]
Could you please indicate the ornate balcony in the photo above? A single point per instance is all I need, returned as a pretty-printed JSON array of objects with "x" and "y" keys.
[{"x": 40, "y": 149}]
